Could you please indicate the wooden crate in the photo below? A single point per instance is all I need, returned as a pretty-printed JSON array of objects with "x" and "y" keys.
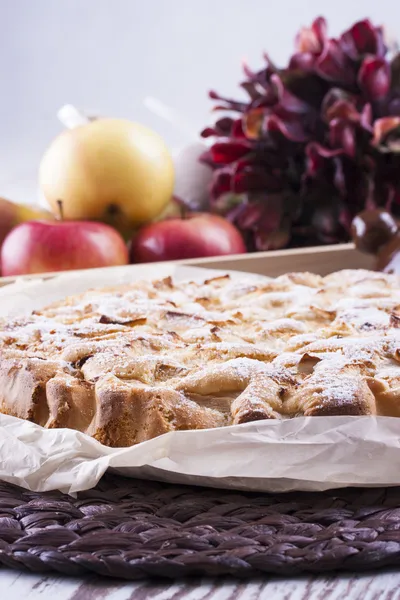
[{"x": 319, "y": 259}]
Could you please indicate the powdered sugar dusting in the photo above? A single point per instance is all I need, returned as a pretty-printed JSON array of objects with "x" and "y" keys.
[{"x": 325, "y": 337}]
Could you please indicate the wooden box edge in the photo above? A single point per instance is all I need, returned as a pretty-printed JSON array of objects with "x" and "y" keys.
[{"x": 318, "y": 259}]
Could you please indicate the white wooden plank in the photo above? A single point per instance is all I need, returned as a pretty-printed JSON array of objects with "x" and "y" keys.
[
  {"x": 21, "y": 586},
  {"x": 35, "y": 587}
]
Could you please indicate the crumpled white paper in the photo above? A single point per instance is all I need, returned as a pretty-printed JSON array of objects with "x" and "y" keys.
[{"x": 304, "y": 453}]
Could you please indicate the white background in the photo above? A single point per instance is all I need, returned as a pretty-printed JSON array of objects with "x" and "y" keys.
[{"x": 108, "y": 55}]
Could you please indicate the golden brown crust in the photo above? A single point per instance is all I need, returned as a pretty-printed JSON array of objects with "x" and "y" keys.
[
  {"x": 127, "y": 364},
  {"x": 23, "y": 388},
  {"x": 71, "y": 402},
  {"x": 128, "y": 414}
]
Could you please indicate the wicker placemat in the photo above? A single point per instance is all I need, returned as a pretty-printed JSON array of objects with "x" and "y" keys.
[{"x": 133, "y": 529}]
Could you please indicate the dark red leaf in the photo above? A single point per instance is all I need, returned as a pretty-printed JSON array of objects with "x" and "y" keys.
[
  {"x": 312, "y": 39},
  {"x": 307, "y": 86},
  {"x": 288, "y": 103},
  {"x": 361, "y": 39},
  {"x": 335, "y": 95},
  {"x": 221, "y": 183},
  {"x": 254, "y": 179},
  {"x": 292, "y": 130},
  {"x": 374, "y": 77},
  {"x": 223, "y": 127},
  {"x": 227, "y": 152},
  {"x": 343, "y": 109},
  {"x": 339, "y": 103},
  {"x": 207, "y": 158},
  {"x": 366, "y": 118},
  {"x": 304, "y": 61},
  {"x": 316, "y": 156},
  {"x": 270, "y": 92},
  {"x": 342, "y": 135},
  {"x": 320, "y": 28},
  {"x": 208, "y": 132},
  {"x": 253, "y": 88},
  {"x": 387, "y": 134},
  {"x": 395, "y": 73},
  {"x": 334, "y": 65},
  {"x": 237, "y": 129},
  {"x": 228, "y": 103}
]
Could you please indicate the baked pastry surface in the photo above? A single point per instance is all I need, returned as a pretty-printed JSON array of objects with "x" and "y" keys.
[{"x": 126, "y": 364}]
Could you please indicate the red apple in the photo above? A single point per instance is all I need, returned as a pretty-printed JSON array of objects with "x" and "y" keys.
[
  {"x": 196, "y": 235},
  {"x": 40, "y": 246}
]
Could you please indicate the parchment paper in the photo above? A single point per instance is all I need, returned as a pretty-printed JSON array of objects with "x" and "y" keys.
[{"x": 304, "y": 453}]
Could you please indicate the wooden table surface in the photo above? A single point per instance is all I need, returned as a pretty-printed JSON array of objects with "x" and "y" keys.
[{"x": 371, "y": 586}]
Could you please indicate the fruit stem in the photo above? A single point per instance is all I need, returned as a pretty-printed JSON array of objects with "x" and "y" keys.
[
  {"x": 183, "y": 212},
  {"x": 71, "y": 117},
  {"x": 60, "y": 210}
]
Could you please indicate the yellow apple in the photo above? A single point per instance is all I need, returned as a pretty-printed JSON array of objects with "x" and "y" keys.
[
  {"x": 12, "y": 214},
  {"x": 111, "y": 170},
  {"x": 172, "y": 209}
]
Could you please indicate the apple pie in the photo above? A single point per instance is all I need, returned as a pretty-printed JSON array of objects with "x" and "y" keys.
[{"x": 128, "y": 363}]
